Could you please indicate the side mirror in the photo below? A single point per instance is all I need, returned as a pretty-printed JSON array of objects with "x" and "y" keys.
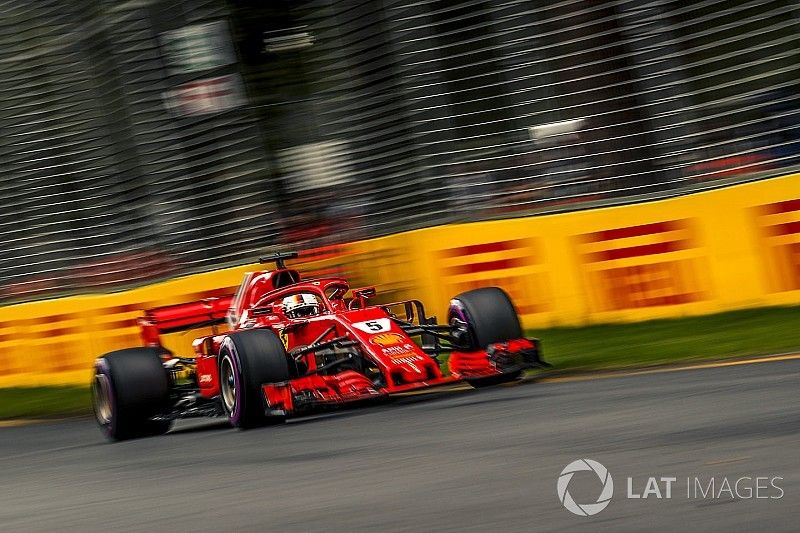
[
  {"x": 360, "y": 297},
  {"x": 263, "y": 310},
  {"x": 364, "y": 292}
]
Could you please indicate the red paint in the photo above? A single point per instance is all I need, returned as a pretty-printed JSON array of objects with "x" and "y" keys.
[
  {"x": 389, "y": 351},
  {"x": 484, "y": 248},
  {"x": 790, "y": 228},
  {"x": 188, "y": 315},
  {"x": 634, "y": 231},
  {"x": 500, "y": 264},
  {"x": 649, "y": 285},
  {"x": 783, "y": 207},
  {"x": 637, "y": 251}
]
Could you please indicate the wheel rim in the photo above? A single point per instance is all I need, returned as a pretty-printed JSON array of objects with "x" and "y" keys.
[
  {"x": 101, "y": 389},
  {"x": 227, "y": 379},
  {"x": 459, "y": 322}
]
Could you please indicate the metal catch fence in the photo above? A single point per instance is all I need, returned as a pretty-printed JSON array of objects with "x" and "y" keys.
[{"x": 144, "y": 139}]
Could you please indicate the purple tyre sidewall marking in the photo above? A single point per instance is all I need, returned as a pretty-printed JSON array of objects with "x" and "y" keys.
[
  {"x": 457, "y": 310},
  {"x": 236, "y": 415}
]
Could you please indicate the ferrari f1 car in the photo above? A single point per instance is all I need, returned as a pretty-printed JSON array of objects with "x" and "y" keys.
[{"x": 294, "y": 346}]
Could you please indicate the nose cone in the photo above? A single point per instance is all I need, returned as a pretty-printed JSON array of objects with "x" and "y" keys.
[{"x": 412, "y": 373}]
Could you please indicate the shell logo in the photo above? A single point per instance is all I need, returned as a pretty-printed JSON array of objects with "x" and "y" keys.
[{"x": 387, "y": 339}]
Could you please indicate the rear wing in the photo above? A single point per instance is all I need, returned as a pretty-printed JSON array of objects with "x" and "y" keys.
[{"x": 182, "y": 317}]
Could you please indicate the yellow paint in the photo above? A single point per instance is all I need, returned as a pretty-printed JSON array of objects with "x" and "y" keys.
[
  {"x": 725, "y": 255},
  {"x": 19, "y": 422}
]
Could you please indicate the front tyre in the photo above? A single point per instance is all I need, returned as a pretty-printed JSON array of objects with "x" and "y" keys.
[
  {"x": 129, "y": 388},
  {"x": 247, "y": 360},
  {"x": 485, "y": 316}
]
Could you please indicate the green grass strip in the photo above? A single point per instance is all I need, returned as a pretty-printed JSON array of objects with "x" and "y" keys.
[
  {"x": 731, "y": 334},
  {"x": 44, "y": 402}
]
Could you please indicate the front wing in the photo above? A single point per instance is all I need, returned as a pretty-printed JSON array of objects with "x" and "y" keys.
[{"x": 313, "y": 391}]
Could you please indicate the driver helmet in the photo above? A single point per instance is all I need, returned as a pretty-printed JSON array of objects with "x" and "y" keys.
[{"x": 301, "y": 305}]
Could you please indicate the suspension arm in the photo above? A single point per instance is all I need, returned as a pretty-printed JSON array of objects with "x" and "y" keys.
[{"x": 342, "y": 342}]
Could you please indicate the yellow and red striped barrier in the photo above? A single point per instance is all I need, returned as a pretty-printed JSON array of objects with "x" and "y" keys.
[{"x": 719, "y": 250}]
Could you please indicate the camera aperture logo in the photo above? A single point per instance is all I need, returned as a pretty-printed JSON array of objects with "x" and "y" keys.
[
  {"x": 585, "y": 509},
  {"x": 660, "y": 487}
]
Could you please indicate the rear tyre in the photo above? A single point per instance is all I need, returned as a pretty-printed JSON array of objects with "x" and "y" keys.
[
  {"x": 247, "y": 360},
  {"x": 129, "y": 388},
  {"x": 487, "y": 316}
]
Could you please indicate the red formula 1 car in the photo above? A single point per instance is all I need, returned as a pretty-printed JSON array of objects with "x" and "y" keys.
[{"x": 298, "y": 345}]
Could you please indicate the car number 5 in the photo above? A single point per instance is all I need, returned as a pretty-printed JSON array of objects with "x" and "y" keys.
[{"x": 376, "y": 325}]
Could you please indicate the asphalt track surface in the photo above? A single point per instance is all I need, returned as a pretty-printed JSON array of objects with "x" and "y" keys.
[{"x": 459, "y": 460}]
